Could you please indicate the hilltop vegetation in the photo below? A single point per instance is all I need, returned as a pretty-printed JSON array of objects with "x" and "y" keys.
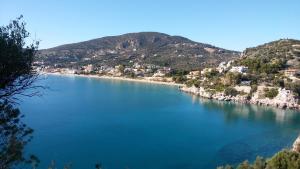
[
  {"x": 275, "y": 64},
  {"x": 273, "y": 56}
]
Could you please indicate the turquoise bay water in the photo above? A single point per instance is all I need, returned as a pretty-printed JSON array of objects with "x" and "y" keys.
[{"x": 84, "y": 121}]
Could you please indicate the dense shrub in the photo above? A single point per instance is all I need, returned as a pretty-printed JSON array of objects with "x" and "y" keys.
[
  {"x": 230, "y": 91},
  {"x": 271, "y": 93},
  {"x": 232, "y": 78},
  {"x": 283, "y": 160},
  {"x": 193, "y": 82},
  {"x": 263, "y": 65},
  {"x": 259, "y": 163},
  {"x": 179, "y": 79},
  {"x": 293, "y": 86},
  {"x": 253, "y": 89},
  {"x": 211, "y": 74},
  {"x": 244, "y": 165},
  {"x": 278, "y": 82},
  {"x": 175, "y": 72},
  {"x": 219, "y": 87}
]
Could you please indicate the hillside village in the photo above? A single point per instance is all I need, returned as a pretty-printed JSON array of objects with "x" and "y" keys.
[
  {"x": 136, "y": 71},
  {"x": 266, "y": 75}
]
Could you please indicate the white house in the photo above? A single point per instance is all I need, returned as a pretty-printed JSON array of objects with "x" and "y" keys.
[
  {"x": 222, "y": 67},
  {"x": 239, "y": 69},
  {"x": 88, "y": 69},
  {"x": 158, "y": 74},
  {"x": 193, "y": 74}
]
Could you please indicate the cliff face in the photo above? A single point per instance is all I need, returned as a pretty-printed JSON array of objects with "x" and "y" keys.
[{"x": 145, "y": 47}]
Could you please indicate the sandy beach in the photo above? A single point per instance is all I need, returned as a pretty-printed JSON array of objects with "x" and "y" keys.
[{"x": 140, "y": 80}]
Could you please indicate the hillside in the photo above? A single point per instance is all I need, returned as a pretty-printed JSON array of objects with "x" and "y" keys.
[
  {"x": 145, "y": 47},
  {"x": 268, "y": 74},
  {"x": 286, "y": 51},
  {"x": 275, "y": 64}
]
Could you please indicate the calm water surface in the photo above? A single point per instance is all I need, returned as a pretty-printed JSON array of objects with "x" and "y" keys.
[{"x": 83, "y": 121}]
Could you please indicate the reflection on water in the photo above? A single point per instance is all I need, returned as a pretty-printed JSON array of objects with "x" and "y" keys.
[
  {"x": 264, "y": 143},
  {"x": 234, "y": 111},
  {"x": 252, "y": 146}
]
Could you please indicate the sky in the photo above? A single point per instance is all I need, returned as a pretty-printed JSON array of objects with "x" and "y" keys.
[{"x": 230, "y": 24}]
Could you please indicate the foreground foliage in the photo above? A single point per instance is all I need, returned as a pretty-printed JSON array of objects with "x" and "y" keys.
[
  {"x": 285, "y": 159},
  {"x": 16, "y": 77},
  {"x": 14, "y": 136}
]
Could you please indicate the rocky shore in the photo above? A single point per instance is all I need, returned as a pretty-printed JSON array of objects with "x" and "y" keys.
[{"x": 284, "y": 100}]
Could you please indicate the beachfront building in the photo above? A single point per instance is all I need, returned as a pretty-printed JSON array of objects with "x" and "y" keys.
[
  {"x": 88, "y": 68},
  {"x": 69, "y": 71},
  {"x": 162, "y": 72}
]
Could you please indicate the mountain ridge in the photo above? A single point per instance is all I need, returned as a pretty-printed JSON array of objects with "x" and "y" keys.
[{"x": 148, "y": 47}]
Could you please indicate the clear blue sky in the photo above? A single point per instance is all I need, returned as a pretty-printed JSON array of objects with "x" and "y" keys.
[{"x": 231, "y": 24}]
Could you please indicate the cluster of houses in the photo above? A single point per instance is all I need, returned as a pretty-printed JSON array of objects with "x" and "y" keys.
[
  {"x": 136, "y": 70},
  {"x": 222, "y": 68},
  {"x": 158, "y": 72},
  {"x": 151, "y": 70},
  {"x": 225, "y": 67}
]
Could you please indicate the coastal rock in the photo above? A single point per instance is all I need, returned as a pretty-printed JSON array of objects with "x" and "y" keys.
[
  {"x": 296, "y": 145},
  {"x": 284, "y": 99},
  {"x": 245, "y": 89},
  {"x": 193, "y": 90},
  {"x": 204, "y": 93},
  {"x": 197, "y": 91},
  {"x": 240, "y": 99}
]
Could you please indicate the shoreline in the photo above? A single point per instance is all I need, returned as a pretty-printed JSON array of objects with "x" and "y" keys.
[
  {"x": 116, "y": 78},
  {"x": 181, "y": 87}
]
